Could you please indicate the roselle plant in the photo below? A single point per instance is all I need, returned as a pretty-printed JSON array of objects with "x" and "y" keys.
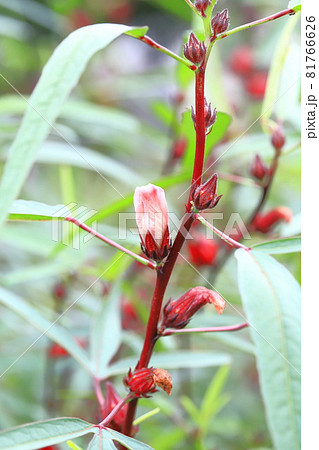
[{"x": 269, "y": 292}]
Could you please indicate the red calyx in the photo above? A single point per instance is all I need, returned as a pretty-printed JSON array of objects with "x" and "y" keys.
[
  {"x": 242, "y": 60},
  {"x": 204, "y": 196},
  {"x": 265, "y": 222},
  {"x": 278, "y": 138},
  {"x": 194, "y": 50},
  {"x": 178, "y": 313},
  {"x": 220, "y": 23},
  {"x": 258, "y": 169},
  {"x": 144, "y": 381},
  {"x": 255, "y": 84},
  {"x": 202, "y": 251},
  {"x": 210, "y": 116}
]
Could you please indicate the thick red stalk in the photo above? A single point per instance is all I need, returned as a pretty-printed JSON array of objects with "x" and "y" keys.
[{"x": 200, "y": 126}]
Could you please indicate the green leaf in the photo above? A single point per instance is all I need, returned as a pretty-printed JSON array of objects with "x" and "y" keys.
[
  {"x": 29, "y": 210},
  {"x": 295, "y": 5},
  {"x": 176, "y": 360},
  {"x": 74, "y": 446},
  {"x": 128, "y": 442},
  {"x": 53, "y": 331},
  {"x": 101, "y": 441},
  {"x": 280, "y": 246},
  {"x": 59, "y": 77},
  {"x": 36, "y": 435},
  {"x": 106, "y": 331},
  {"x": 271, "y": 299}
]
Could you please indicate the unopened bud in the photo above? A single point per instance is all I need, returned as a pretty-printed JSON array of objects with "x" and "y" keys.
[
  {"x": 202, "y": 251},
  {"x": 194, "y": 50},
  {"x": 265, "y": 222},
  {"x": 220, "y": 23},
  {"x": 178, "y": 313},
  {"x": 278, "y": 138},
  {"x": 205, "y": 196},
  {"x": 258, "y": 169},
  {"x": 202, "y": 5},
  {"x": 210, "y": 116},
  {"x": 145, "y": 381}
]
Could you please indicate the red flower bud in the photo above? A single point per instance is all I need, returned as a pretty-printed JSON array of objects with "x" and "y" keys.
[
  {"x": 152, "y": 221},
  {"x": 112, "y": 398},
  {"x": 194, "y": 50},
  {"x": 179, "y": 148},
  {"x": 278, "y": 138},
  {"x": 242, "y": 60},
  {"x": 258, "y": 169},
  {"x": 255, "y": 84},
  {"x": 204, "y": 196},
  {"x": 59, "y": 291},
  {"x": 202, "y": 251},
  {"x": 145, "y": 381},
  {"x": 178, "y": 313},
  {"x": 220, "y": 23},
  {"x": 202, "y": 5},
  {"x": 265, "y": 222},
  {"x": 210, "y": 116}
]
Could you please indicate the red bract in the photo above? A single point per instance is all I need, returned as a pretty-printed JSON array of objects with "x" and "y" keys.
[
  {"x": 210, "y": 116},
  {"x": 202, "y": 251},
  {"x": 144, "y": 381},
  {"x": 220, "y": 23},
  {"x": 242, "y": 60},
  {"x": 194, "y": 50},
  {"x": 152, "y": 221},
  {"x": 202, "y": 5},
  {"x": 205, "y": 196},
  {"x": 256, "y": 83},
  {"x": 265, "y": 222},
  {"x": 178, "y": 313},
  {"x": 258, "y": 169}
]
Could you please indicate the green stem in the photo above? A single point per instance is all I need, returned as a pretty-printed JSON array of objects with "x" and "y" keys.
[{"x": 255, "y": 23}]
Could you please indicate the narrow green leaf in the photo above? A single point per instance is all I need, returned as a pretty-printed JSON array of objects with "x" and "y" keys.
[
  {"x": 101, "y": 441},
  {"x": 212, "y": 393},
  {"x": 191, "y": 408},
  {"x": 280, "y": 246},
  {"x": 176, "y": 360},
  {"x": 36, "y": 435},
  {"x": 128, "y": 442},
  {"x": 295, "y": 5},
  {"x": 73, "y": 446},
  {"x": 106, "y": 331},
  {"x": 53, "y": 331},
  {"x": 271, "y": 299},
  {"x": 29, "y": 210},
  {"x": 59, "y": 77}
]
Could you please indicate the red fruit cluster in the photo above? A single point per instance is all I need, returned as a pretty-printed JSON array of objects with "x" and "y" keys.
[
  {"x": 202, "y": 251},
  {"x": 178, "y": 313},
  {"x": 265, "y": 222},
  {"x": 205, "y": 195},
  {"x": 194, "y": 50},
  {"x": 145, "y": 381}
]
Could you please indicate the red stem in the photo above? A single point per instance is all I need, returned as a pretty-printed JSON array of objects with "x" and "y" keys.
[
  {"x": 239, "y": 326},
  {"x": 115, "y": 410},
  {"x": 110, "y": 242},
  {"x": 200, "y": 127}
]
